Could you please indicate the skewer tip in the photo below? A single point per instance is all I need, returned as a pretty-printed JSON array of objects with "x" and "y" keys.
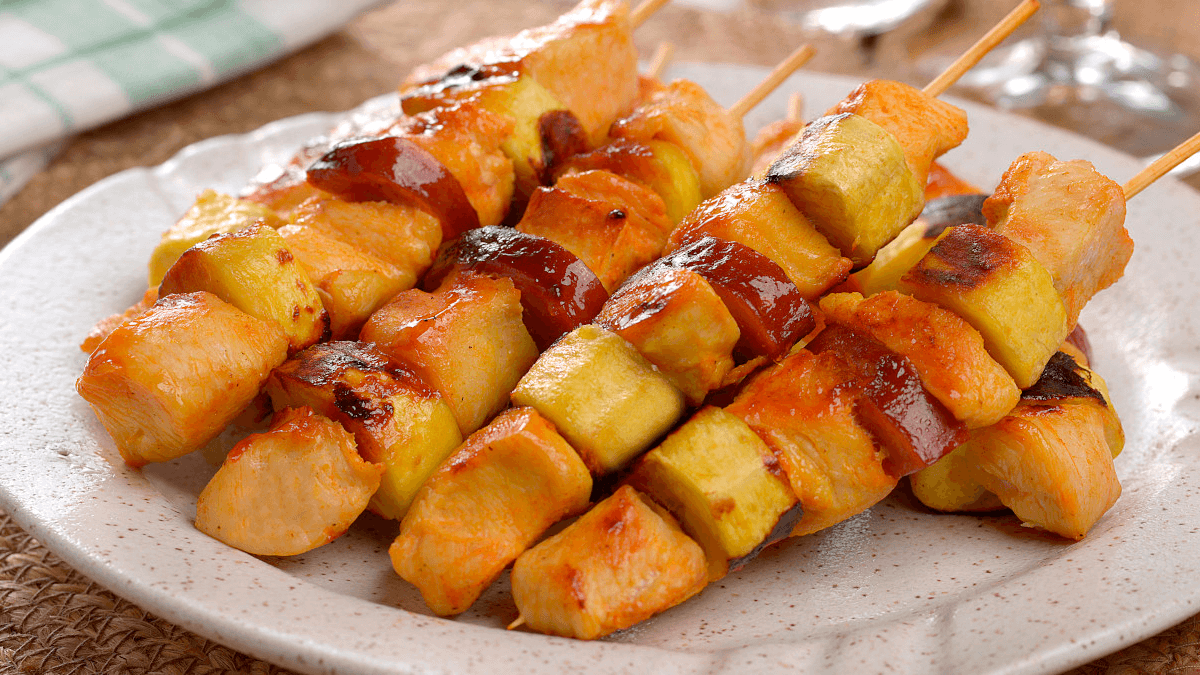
[
  {"x": 1161, "y": 166},
  {"x": 644, "y": 11},
  {"x": 520, "y": 621},
  {"x": 987, "y": 43},
  {"x": 776, "y": 77}
]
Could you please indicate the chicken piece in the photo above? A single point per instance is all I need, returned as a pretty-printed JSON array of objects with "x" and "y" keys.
[
  {"x": 925, "y": 126},
  {"x": 759, "y": 215},
  {"x": 943, "y": 183},
  {"x": 492, "y": 499},
  {"x": 253, "y": 270},
  {"x": 398, "y": 421},
  {"x": 465, "y": 340},
  {"x": 1070, "y": 217},
  {"x": 586, "y": 59},
  {"x": 724, "y": 485},
  {"x": 947, "y": 353},
  {"x": 684, "y": 114},
  {"x": 675, "y": 319},
  {"x": 620, "y": 563},
  {"x": 466, "y": 139},
  {"x": 212, "y": 213},
  {"x": 168, "y": 381},
  {"x": 289, "y": 490},
  {"x": 998, "y": 287},
  {"x": 803, "y": 408},
  {"x": 604, "y": 397},
  {"x": 658, "y": 165},
  {"x": 404, "y": 236},
  {"x": 109, "y": 323},
  {"x": 351, "y": 283},
  {"x": 613, "y": 225},
  {"x": 281, "y": 188},
  {"x": 770, "y": 141}
]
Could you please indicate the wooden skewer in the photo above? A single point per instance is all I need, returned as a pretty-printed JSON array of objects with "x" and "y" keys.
[
  {"x": 644, "y": 11},
  {"x": 1161, "y": 166},
  {"x": 980, "y": 49},
  {"x": 520, "y": 621},
  {"x": 774, "y": 79},
  {"x": 795, "y": 107},
  {"x": 662, "y": 56}
]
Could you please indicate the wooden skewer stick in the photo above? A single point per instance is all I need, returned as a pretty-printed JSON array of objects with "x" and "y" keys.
[
  {"x": 662, "y": 56},
  {"x": 795, "y": 107},
  {"x": 644, "y": 11},
  {"x": 520, "y": 621},
  {"x": 774, "y": 79},
  {"x": 980, "y": 49},
  {"x": 1161, "y": 166}
]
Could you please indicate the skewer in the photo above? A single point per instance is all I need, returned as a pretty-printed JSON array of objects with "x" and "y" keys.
[
  {"x": 781, "y": 72},
  {"x": 644, "y": 11},
  {"x": 520, "y": 621},
  {"x": 1161, "y": 166},
  {"x": 795, "y": 107},
  {"x": 980, "y": 49},
  {"x": 658, "y": 64}
]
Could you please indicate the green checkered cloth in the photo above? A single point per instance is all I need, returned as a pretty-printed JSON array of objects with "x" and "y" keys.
[{"x": 69, "y": 65}]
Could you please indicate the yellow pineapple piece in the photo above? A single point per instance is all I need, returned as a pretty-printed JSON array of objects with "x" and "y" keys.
[
  {"x": 213, "y": 213},
  {"x": 605, "y": 398},
  {"x": 1000, "y": 289},
  {"x": 466, "y": 340},
  {"x": 351, "y": 283},
  {"x": 620, "y": 563},
  {"x": 397, "y": 420},
  {"x": 659, "y": 165},
  {"x": 760, "y": 215},
  {"x": 168, "y": 381},
  {"x": 491, "y": 500},
  {"x": 953, "y": 484},
  {"x": 723, "y": 484},
  {"x": 849, "y": 176},
  {"x": 288, "y": 490},
  {"x": 676, "y": 320},
  {"x": 253, "y": 270},
  {"x": 896, "y": 258}
]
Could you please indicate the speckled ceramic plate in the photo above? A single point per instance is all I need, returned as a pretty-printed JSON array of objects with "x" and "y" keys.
[{"x": 895, "y": 589}]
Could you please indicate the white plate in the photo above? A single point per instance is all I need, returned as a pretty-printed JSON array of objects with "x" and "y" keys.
[{"x": 895, "y": 589}]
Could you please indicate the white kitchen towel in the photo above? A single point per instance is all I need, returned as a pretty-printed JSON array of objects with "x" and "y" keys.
[{"x": 69, "y": 65}]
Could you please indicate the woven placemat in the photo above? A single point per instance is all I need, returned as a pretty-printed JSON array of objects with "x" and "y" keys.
[{"x": 54, "y": 620}]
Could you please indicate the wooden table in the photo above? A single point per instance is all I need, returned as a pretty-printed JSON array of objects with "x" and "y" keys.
[{"x": 54, "y": 620}]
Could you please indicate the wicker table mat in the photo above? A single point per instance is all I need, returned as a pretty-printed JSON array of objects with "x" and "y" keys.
[{"x": 54, "y": 620}]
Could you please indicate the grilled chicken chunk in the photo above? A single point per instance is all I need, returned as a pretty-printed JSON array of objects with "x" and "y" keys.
[
  {"x": 109, "y": 323},
  {"x": 620, "y": 563},
  {"x": 770, "y": 141},
  {"x": 168, "y": 381},
  {"x": 1070, "y": 217},
  {"x": 659, "y": 165},
  {"x": 586, "y": 59},
  {"x": 212, "y": 213},
  {"x": 488, "y": 502},
  {"x": 466, "y": 340},
  {"x": 613, "y": 225},
  {"x": 947, "y": 353},
  {"x": 289, "y": 490},
  {"x": 684, "y": 114},
  {"x": 398, "y": 421}
]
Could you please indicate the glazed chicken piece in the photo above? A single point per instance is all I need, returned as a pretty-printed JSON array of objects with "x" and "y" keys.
[
  {"x": 168, "y": 381},
  {"x": 585, "y": 58},
  {"x": 1070, "y": 217},
  {"x": 943, "y": 183},
  {"x": 622, "y": 562},
  {"x": 684, "y": 114},
  {"x": 109, "y": 323},
  {"x": 613, "y": 225},
  {"x": 491, "y": 500},
  {"x": 289, "y": 490},
  {"x": 770, "y": 141},
  {"x": 466, "y": 340}
]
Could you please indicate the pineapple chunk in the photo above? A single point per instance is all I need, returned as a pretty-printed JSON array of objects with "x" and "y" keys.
[
  {"x": 489, "y": 502},
  {"x": 620, "y": 563},
  {"x": 404, "y": 236},
  {"x": 613, "y": 225},
  {"x": 1000, "y": 289},
  {"x": 351, "y": 283},
  {"x": 849, "y": 177},
  {"x": 397, "y": 420},
  {"x": 168, "y": 381},
  {"x": 953, "y": 483},
  {"x": 659, "y": 165},
  {"x": 675, "y": 319},
  {"x": 467, "y": 341},
  {"x": 759, "y": 215},
  {"x": 212, "y": 213},
  {"x": 288, "y": 490},
  {"x": 724, "y": 485},
  {"x": 253, "y": 270},
  {"x": 605, "y": 398},
  {"x": 803, "y": 408},
  {"x": 896, "y": 258},
  {"x": 1070, "y": 217},
  {"x": 947, "y": 353}
]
